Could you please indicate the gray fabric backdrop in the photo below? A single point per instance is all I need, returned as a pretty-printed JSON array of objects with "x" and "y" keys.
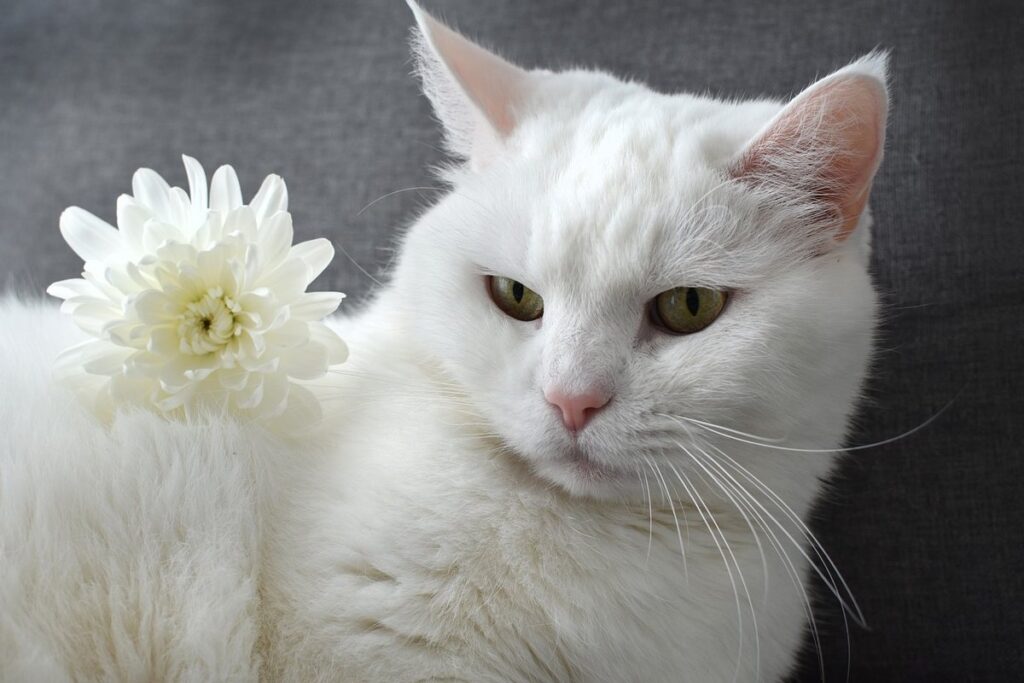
[{"x": 928, "y": 529}]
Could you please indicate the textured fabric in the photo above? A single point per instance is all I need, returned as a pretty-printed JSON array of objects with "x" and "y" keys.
[{"x": 928, "y": 530}]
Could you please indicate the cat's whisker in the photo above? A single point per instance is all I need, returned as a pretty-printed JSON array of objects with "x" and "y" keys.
[
  {"x": 834, "y": 578},
  {"x": 701, "y": 506},
  {"x": 849, "y": 449},
  {"x": 823, "y": 556},
  {"x": 722, "y": 486},
  {"x": 356, "y": 264},
  {"x": 668, "y": 496},
  {"x": 780, "y": 551},
  {"x": 739, "y": 571},
  {"x": 650, "y": 513}
]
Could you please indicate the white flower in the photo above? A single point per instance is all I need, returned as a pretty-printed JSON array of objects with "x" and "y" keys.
[{"x": 198, "y": 302}]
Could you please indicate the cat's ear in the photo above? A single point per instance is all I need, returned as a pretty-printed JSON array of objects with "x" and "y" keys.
[
  {"x": 827, "y": 142},
  {"x": 474, "y": 92}
]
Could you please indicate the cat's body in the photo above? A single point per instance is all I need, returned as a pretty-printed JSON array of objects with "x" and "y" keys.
[{"x": 443, "y": 523}]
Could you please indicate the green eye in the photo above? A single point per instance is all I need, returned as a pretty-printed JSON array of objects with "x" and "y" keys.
[
  {"x": 685, "y": 310},
  {"x": 515, "y": 299}
]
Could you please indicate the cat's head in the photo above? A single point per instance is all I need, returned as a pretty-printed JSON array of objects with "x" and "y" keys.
[{"x": 616, "y": 269}]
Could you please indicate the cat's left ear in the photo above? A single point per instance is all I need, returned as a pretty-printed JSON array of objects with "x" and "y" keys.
[
  {"x": 475, "y": 93},
  {"x": 827, "y": 143}
]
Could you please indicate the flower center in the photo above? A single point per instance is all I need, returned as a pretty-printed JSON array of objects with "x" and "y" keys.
[{"x": 209, "y": 323}]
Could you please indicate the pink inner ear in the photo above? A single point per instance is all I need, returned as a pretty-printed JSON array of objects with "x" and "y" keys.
[
  {"x": 833, "y": 131},
  {"x": 487, "y": 80},
  {"x": 474, "y": 91}
]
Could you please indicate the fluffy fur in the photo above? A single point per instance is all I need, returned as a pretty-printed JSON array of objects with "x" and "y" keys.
[{"x": 443, "y": 524}]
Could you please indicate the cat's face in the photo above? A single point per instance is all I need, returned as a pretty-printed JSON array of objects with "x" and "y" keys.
[{"x": 600, "y": 199}]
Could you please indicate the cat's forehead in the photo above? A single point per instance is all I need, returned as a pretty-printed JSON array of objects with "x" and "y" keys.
[{"x": 629, "y": 194}]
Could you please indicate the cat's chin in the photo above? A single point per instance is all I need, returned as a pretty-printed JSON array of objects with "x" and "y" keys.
[{"x": 581, "y": 475}]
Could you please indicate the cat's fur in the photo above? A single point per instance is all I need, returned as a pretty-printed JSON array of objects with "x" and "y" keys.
[{"x": 443, "y": 524}]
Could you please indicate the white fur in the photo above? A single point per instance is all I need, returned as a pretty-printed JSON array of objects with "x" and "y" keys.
[{"x": 436, "y": 527}]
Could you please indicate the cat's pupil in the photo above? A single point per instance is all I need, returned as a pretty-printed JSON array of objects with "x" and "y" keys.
[
  {"x": 517, "y": 291},
  {"x": 692, "y": 300}
]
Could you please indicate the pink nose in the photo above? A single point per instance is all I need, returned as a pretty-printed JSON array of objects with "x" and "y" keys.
[{"x": 577, "y": 409}]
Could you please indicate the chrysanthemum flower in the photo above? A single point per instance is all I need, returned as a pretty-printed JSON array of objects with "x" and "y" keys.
[{"x": 197, "y": 301}]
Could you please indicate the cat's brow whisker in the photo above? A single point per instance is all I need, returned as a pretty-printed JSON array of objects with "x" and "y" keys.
[{"x": 394, "y": 192}]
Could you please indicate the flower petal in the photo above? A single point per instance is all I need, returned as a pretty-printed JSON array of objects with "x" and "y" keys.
[
  {"x": 152, "y": 307},
  {"x": 308, "y": 361},
  {"x": 66, "y": 289},
  {"x": 270, "y": 198},
  {"x": 302, "y": 409},
  {"x": 70, "y": 360},
  {"x": 90, "y": 237},
  {"x": 275, "y": 238},
  {"x": 287, "y": 281},
  {"x": 316, "y": 305},
  {"x": 251, "y": 395},
  {"x": 196, "y": 189},
  {"x": 241, "y": 221},
  {"x": 225, "y": 193},
  {"x": 275, "y": 395},
  {"x": 131, "y": 217},
  {"x": 316, "y": 254},
  {"x": 153, "y": 192},
  {"x": 337, "y": 350}
]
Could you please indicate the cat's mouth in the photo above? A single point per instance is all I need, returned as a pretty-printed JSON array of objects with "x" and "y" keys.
[{"x": 587, "y": 468}]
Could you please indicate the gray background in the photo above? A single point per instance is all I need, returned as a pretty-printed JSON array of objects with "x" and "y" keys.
[{"x": 928, "y": 530}]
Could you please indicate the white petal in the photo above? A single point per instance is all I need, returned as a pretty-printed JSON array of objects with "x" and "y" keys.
[
  {"x": 337, "y": 350},
  {"x": 252, "y": 394},
  {"x": 163, "y": 340},
  {"x": 270, "y": 198},
  {"x": 275, "y": 238},
  {"x": 287, "y": 281},
  {"x": 109, "y": 361},
  {"x": 156, "y": 233},
  {"x": 316, "y": 254},
  {"x": 91, "y": 317},
  {"x": 303, "y": 409},
  {"x": 210, "y": 231},
  {"x": 225, "y": 193},
  {"x": 123, "y": 333},
  {"x": 292, "y": 333},
  {"x": 233, "y": 380},
  {"x": 66, "y": 289},
  {"x": 90, "y": 237},
  {"x": 153, "y": 307},
  {"x": 152, "y": 192},
  {"x": 316, "y": 305},
  {"x": 70, "y": 360},
  {"x": 196, "y": 189},
  {"x": 130, "y": 219},
  {"x": 241, "y": 221},
  {"x": 180, "y": 211},
  {"x": 308, "y": 361},
  {"x": 275, "y": 395}
]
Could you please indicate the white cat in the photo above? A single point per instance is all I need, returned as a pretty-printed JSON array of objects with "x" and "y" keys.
[{"x": 575, "y": 439}]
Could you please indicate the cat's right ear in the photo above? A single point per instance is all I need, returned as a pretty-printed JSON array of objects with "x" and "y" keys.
[
  {"x": 474, "y": 92},
  {"x": 827, "y": 143}
]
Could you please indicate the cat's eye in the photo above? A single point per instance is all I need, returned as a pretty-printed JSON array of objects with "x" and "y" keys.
[
  {"x": 515, "y": 299},
  {"x": 685, "y": 310}
]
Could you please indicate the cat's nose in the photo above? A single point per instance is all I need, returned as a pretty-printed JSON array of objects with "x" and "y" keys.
[{"x": 577, "y": 409}]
